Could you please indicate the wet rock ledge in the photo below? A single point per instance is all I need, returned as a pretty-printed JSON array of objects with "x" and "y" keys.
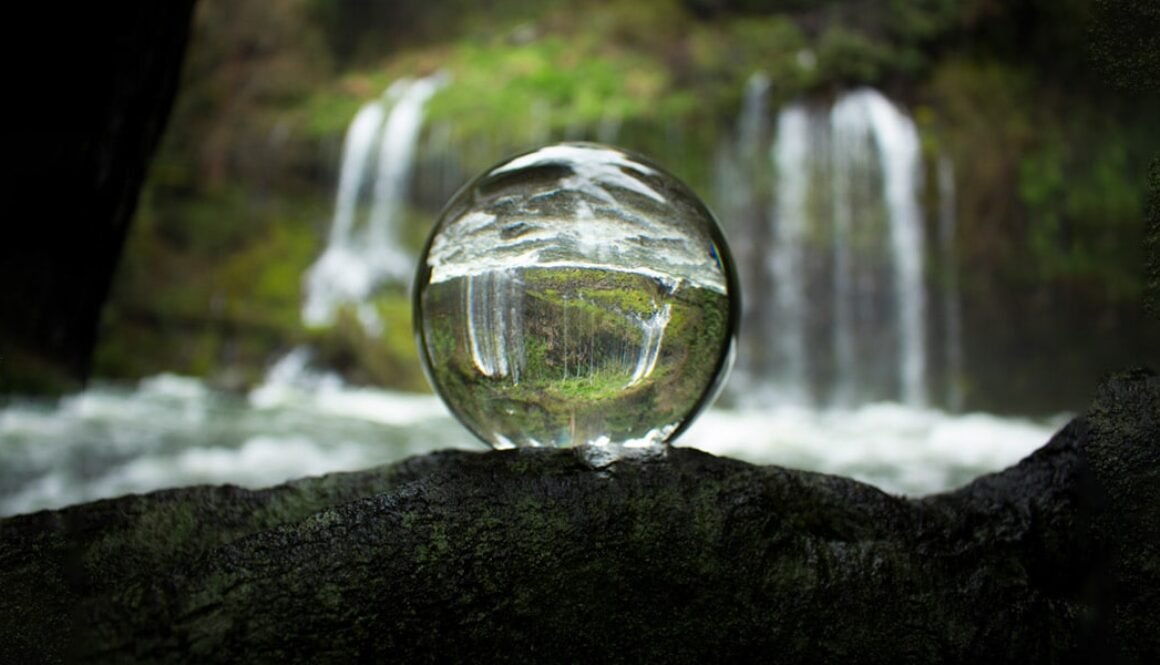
[{"x": 530, "y": 557}]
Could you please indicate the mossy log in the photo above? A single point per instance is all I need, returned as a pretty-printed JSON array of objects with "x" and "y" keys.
[{"x": 529, "y": 556}]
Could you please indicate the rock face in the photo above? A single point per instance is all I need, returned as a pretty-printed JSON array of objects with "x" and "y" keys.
[
  {"x": 94, "y": 95},
  {"x": 530, "y": 556}
]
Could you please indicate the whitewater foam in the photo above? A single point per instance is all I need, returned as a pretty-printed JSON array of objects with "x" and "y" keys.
[{"x": 172, "y": 431}]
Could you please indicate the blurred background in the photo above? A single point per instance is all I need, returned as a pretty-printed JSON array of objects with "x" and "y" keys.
[{"x": 935, "y": 207}]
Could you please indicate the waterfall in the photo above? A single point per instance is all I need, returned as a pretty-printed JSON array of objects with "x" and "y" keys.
[
  {"x": 363, "y": 249},
  {"x": 822, "y": 201},
  {"x": 839, "y": 293},
  {"x": 753, "y": 123},
  {"x": 848, "y": 155},
  {"x": 952, "y": 307},
  {"x": 898, "y": 148},
  {"x": 867, "y": 130},
  {"x": 741, "y": 181},
  {"x": 785, "y": 260}
]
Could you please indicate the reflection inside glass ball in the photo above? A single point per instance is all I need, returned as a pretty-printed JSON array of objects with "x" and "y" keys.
[{"x": 577, "y": 295}]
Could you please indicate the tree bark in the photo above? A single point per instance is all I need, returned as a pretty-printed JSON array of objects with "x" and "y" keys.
[{"x": 531, "y": 556}]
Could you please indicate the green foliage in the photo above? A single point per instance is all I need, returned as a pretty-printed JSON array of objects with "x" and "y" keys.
[
  {"x": 1054, "y": 178},
  {"x": 850, "y": 57},
  {"x": 918, "y": 21},
  {"x": 1083, "y": 196},
  {"x": 240, "y": 191},
  {"x": 518, "y": 95},
  {"x": 328, "y": 111},
  {"x": 215, "y": 303},
  {"x": 726, "y": 53},
  {"x": 386, "y": 358}
]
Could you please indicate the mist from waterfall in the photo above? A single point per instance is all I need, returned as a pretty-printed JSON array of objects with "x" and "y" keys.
[{"x": 364, "y": 249}]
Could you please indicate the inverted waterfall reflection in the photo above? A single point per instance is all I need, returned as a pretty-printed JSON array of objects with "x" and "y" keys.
[
  {"x": 652, "y": 334},
  {"x": 494, "y": 309}
]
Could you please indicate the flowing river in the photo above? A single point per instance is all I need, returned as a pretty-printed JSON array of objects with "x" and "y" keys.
[{"x": 170, "y": 431}]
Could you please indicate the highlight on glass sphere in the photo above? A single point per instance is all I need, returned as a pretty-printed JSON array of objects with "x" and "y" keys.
[{"x": 577, "y": 296}]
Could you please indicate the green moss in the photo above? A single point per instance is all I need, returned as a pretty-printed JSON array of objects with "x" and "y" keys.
[
  {"x": 582, "y": 335},
  {"x": 208, "y": 304},
  {"x": 518, "y": 94},
  {"x": 328, "y": 112},
  {"x": 373, "y": 357}
]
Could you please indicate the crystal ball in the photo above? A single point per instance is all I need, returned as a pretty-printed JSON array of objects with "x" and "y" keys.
[{"x": 577, "y": 296}]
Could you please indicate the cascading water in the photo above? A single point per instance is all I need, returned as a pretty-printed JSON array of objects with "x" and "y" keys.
[
  {"x": 741, "y": 178},
  {"x": 952, "y": 308},
  {"x": 784, "y": 263},
  {"x": 363, "y": 249},
  {"x": 864, "y": 123},
  {"x": 840, "y": 291}
]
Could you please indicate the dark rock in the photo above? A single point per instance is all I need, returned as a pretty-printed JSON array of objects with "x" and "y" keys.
[
  {"x": 530, "y": 556},
  {"x": 1125, "y": 47},
  {"x": 95, "y": 86},
  {"x": 1152, "y": 242}
]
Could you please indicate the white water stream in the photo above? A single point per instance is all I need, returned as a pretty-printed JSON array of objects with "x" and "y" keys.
[
  {"x": 838, "y": 311},
  {"x": 170, "y": 431},
  {"x": 363, "y": 249}
]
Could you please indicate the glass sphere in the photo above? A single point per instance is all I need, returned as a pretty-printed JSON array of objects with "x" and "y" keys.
[{"x": 576, "y": 296}]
